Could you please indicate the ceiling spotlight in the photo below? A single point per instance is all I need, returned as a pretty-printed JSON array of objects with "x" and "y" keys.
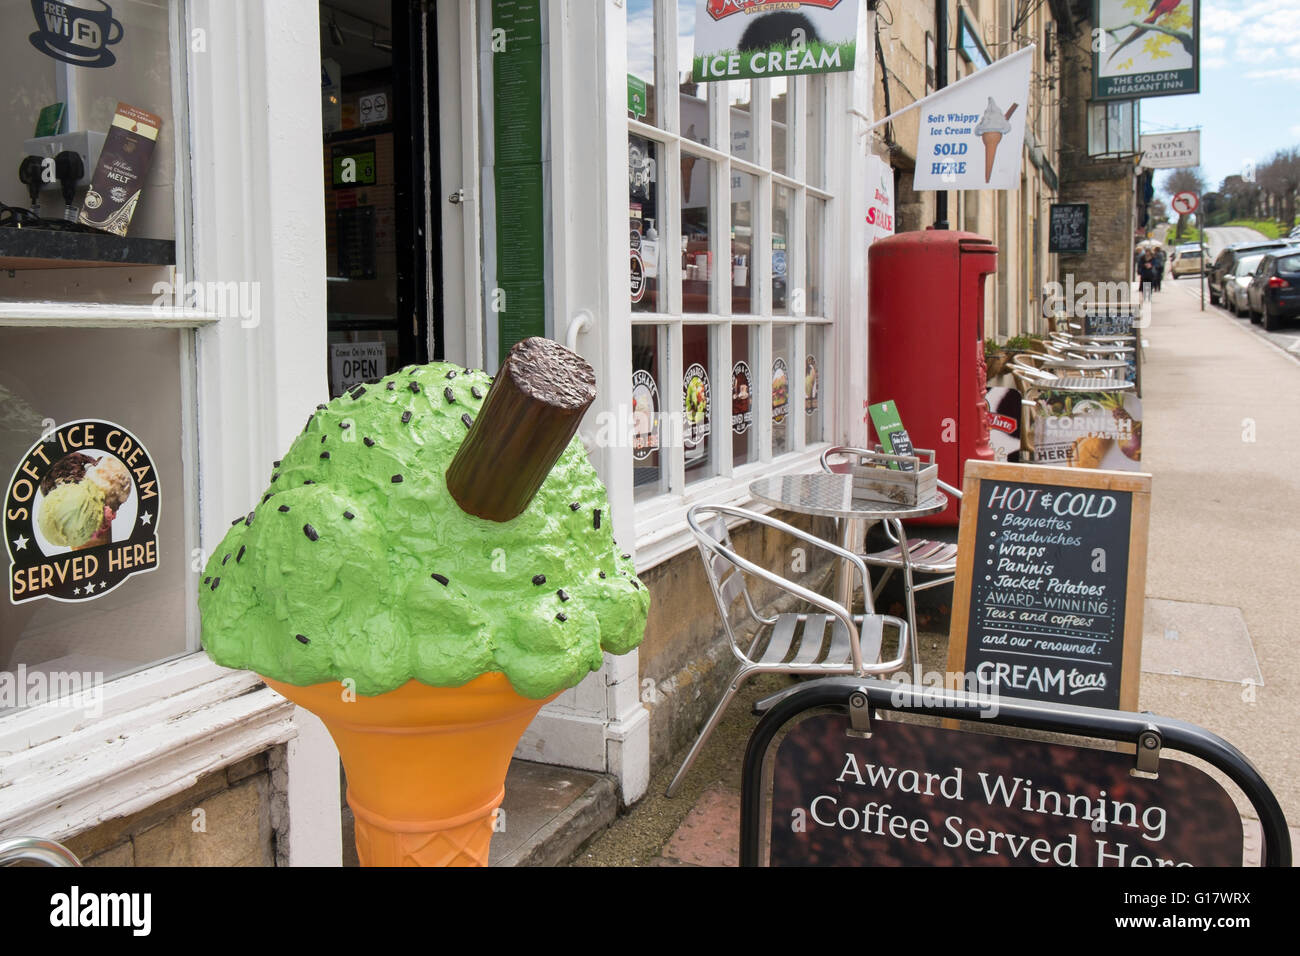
[
  {"x": 379, "y": 44},
  {"x": 336, "y": 35}
]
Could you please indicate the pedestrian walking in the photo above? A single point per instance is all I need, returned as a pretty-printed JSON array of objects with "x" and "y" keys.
[{"x": 1159, "y": 267}]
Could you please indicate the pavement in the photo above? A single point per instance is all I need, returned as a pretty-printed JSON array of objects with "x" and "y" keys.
[{"x": 1220, "y": 648}]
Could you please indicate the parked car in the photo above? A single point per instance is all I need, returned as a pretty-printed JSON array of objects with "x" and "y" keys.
[
  {"x": 1295, "y": 233},
  {"x": 1274, "y": 291},
  {"x": 1187, "y": 260},
  {"x": 1235, "y": 283},
  {"x": 1226, "y": 264}
]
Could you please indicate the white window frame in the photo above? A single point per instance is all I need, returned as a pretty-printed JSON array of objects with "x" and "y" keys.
[
  {"x": 251, "y": 215},
  {"x": 660, "y": 522}
]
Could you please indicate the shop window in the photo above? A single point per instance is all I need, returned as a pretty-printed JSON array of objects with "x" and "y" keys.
[
  {"x": 96, "y": 526},
  {"x": 642, "y": 62},
  {"x": 88, "y": 171},
  {"x": 703, "y": 319}
]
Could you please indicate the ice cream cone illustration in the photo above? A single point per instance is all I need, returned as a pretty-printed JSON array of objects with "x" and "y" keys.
[
  {"x": 431, "y": 563},
  {"x": 993, "y": 125}
]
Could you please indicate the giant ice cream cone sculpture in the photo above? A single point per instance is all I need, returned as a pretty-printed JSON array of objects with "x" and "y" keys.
[
  {"x": 431, "y": 564},
  {"x": 993, "y": 125}
]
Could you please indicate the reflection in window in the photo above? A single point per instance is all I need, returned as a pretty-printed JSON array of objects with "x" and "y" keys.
[
  {"x": 780, "y": 126},
  {"x": 742, "y": 236},
  {"x": 814, "y": 276},
  {"x": 740, "y": 93},
  {"x": 650, "y": 477},
  {"x": 697, "y": 257},
  {"x": 814, "y": 134},
  {"x": 643, "y": 224},
  {"x": 813, "y": 384},
  {"x": 698, "y": 397},
  {"x": 782, "y": 200},
  {"x": 693, "y": 97},
  {"x": 641, "y": 62}
]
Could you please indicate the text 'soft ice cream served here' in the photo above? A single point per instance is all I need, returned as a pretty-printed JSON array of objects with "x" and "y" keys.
[{"x": 357, "y": 563}]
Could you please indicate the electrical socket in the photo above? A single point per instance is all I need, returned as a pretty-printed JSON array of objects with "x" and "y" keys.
[{"x": 86, "y": 143}]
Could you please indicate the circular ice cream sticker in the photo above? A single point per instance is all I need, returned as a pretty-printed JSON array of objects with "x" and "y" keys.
[
  {"x": 81, "y": 513},
  {"x": 742, "y": 405},
  {"x": 645, "y": 415},
  {"x": 780, "y": 390},
  {"x": 638, "y": 276},
  {"x": 811, "y": 387},
  {"x": 695, "y": 401}
]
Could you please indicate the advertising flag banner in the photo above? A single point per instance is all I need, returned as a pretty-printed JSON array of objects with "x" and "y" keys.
[
  {"x": 1145, "y": 48},
  {"x": 973, "y": 132},
  {"x": 741, "y": 39},
  {"x": 1171, "y": 150}
]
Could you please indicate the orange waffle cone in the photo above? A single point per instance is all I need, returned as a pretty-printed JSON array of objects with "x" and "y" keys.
[{"x": 426, "y": 766}]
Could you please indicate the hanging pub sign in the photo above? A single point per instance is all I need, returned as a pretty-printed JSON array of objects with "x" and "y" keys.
[
  {"x": 740, "y": 39},
  {"x": 911, "y": 795},
  {"x": 81, "y": 513},
  {"x": 1145, "y": 49},
  {"x": 1068, "y": 230},
  {"x": 1051, "y": 570}
]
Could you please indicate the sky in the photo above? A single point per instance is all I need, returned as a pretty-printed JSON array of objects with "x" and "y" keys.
[{"x": 1249, "y": 104}]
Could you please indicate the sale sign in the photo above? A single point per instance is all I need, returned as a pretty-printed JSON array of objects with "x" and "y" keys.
[{"x": 880, "y": 199}]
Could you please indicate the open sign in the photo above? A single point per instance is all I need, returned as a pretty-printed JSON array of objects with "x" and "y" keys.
[{"x": 355, "y": 362}]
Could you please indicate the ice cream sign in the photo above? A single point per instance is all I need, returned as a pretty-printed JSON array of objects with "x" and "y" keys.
[
  {"x": 81, "y": 513},
  {"x": 972, "y": 133},
  {"x": 737, "y": 39}
]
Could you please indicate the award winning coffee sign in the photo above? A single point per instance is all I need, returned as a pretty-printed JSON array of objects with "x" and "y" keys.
[
  {"x": 1051, "y": 574},
  {"x": 912, "y": 795}
]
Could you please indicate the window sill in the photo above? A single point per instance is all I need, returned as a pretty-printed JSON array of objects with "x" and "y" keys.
[
  {"x": 64, "y": 770},
  {"x": 95, "y": 316},
  {"x": 661, "y": 529}
]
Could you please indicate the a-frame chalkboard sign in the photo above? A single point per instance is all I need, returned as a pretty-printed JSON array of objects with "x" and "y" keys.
[{"x": 1051, "y": 577}]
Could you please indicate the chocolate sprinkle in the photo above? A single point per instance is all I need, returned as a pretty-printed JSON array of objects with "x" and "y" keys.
[
  {"x": 415, "y": 387},
  {"x": 451, "y": 374},
  {"x": 397, "y": 479},
  {"x": 574, "y": 506},
  {"x": 325, "y": 454},
  {"x": 602, "y": 575},
  {"x": 475, "y": 391},
  {"x": 626, "y": 556},
  {"x": 310, "y": 532},
  {"x": 441, "y": 579},
  {"x": 595, "y": 518},
  {"x": 370, "y": 442},
  {"x": 320, "y": 408},
  {"x": 236, "y": 521},
  {"x": 345, "y": 424},
  {"x": 276, "y": 463},
  {"x": 226, "y": 558},
  {"x": 215, "y": 582},
  {"x": 265, "y": 496},
  {"x": 406, "y": 416},
  {"x": 449, "y": 394},
  {"x": 275, "y": 476},
  {"x": 539, "y": 579},
  {"x": 349, "y": 515},
  {"x": 359, "y": 392},
  {"x": 284, "y": 508},
  {"x": 562, "y": 596},
  {"x": 636, "y": 584},
  {"x": 308, "y": 481},
  {"x": 240, "y": 556},
  {"x": 248, "y": 522},
  {"x": 208, "y": 579},
  {"x": 467, "y": 420},
  {"x": 322, "y": 438},
  {"x": 561, "y": 617},
  {"x": 392, "y": 385},
  {"x": 302, "y": 639}
]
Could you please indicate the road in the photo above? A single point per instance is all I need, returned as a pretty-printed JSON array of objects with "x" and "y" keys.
[{"x": 1216, "y": 238}]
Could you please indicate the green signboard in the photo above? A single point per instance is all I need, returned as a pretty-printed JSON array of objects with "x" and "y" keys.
[
  {"x": 636, "y": 94},
  {"x": 353, "y": 164}
]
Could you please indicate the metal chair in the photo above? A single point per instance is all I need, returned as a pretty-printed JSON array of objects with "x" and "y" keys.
[
  {"x": 910, "y": 555},
  {"x": 787, "y": 643}
]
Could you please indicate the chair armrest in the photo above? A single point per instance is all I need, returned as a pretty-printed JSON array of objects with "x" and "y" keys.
[{"x": 949, "y": 489}]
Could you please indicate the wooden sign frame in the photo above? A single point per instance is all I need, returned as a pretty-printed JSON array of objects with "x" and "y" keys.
[{"x": 1138, "y": 484}]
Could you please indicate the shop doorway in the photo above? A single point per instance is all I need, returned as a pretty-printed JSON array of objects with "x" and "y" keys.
[{"x": 380, "y": 109}]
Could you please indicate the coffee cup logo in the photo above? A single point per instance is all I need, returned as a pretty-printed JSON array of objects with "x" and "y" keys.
[{"x": 79, "y": 32}]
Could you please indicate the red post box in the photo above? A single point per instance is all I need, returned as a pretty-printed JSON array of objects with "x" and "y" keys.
[{"x": 925, "y": 335}]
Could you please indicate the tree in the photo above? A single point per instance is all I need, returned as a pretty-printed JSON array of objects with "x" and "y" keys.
[{"x": 1280, "y": 179}]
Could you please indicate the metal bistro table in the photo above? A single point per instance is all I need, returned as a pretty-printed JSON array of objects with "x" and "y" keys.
[
  {"x": 1101, "y": 367},
  {"x": 831, "y": 496}
]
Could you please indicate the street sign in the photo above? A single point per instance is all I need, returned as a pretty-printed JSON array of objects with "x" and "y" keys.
[{"x": 1184, "y": 203}]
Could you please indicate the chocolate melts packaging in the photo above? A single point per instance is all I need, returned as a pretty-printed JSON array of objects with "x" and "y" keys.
[{"x": 119, "y": 175}]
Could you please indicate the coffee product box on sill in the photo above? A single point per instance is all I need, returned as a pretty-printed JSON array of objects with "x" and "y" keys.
[{"x": 119, "y": 175}]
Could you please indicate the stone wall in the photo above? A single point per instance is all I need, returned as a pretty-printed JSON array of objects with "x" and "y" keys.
[{"x": 225, "y": 819}]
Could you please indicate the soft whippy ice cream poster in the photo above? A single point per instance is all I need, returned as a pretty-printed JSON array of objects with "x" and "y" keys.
[
  {"x": 81, "y": 513},
  {"x": 972, "y": 133}
]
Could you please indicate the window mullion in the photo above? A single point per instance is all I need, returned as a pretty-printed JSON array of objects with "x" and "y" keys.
[
  {"x": 762, "y": 392},
  {"x": 798, "y": 356},
  {"x": 674, "y": 412},
  {"x": 670, "y": 228},
  {"x": 666, "y": 57},
  {"x": 797, "y": 126},
  {"x": 721, "y": 399}
]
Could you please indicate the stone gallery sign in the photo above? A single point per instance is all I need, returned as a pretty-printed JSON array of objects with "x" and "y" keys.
[{"x": 1171, "y": 150}]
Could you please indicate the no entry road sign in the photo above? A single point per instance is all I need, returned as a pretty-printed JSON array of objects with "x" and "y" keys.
[{"x": 1185, "y": 203}]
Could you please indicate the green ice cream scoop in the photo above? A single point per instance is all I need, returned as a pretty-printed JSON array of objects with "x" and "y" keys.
[
  {"x": 359, "y": 564},
  {"x": 71, "y": 514}
]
